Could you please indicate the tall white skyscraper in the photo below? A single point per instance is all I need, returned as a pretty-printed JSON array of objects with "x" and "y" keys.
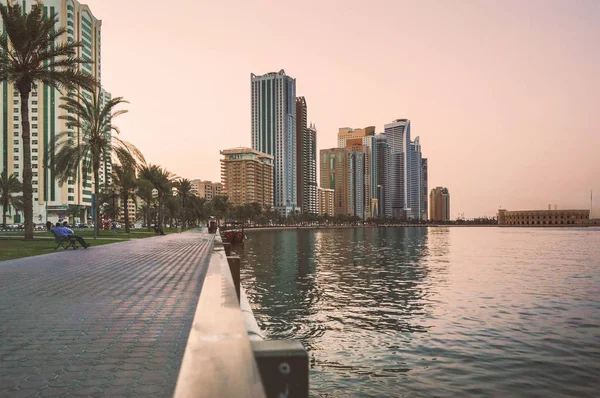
[
  {"x": 274, "y": 133},
  {"x": 405, "y": 174}
]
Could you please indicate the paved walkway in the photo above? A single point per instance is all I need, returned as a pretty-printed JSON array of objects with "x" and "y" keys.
[{"x": 107, "y": 321}]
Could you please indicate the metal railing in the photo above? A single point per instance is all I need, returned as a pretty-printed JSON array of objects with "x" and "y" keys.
[{"x": 226, "y": 354}]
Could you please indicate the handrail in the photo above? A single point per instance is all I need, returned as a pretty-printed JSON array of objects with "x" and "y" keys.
[{"x": 218, "y": 359}]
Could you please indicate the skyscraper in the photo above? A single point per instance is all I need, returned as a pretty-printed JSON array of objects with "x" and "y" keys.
[
  {"x": 363, "y": 140},
  {"x": 424, "y": 190},
  {"x": 274, "y": 133},
  {"x": 398, "y": 137},
  {"x": 404, "y": 175},
  {"x": 306, "y": 157},
  {"x": 356, "y": 185},
  {"x": 335, "y": 175},
  {"x": 439, "y": 200},
  {"x": 383, "y": 165},
  {"x": 51, "y": 200}
]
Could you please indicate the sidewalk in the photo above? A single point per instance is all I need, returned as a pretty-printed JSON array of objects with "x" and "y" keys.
[{"x": 108, "y": 321}]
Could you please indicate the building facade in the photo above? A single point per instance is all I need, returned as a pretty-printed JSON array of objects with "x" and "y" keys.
[
  {"x": 335, "y": 175},
  {"x": 274, "y": 133},
  {"x": 306, "y": 157},
  {"x": 207, "y": 189},
  {"x": 405, "y": 173},
  {"x": 424, "y": 190},
  {"x": 383, "y": 166},
  {"x": 50, "y": 200},
  {"x": 356, "y": 185},
  {"x": 326, "y": 197},
  {"x": 439, "y": 200},
  {"x": 543, "y": 217},
  {"x": 247, "y": 176}
]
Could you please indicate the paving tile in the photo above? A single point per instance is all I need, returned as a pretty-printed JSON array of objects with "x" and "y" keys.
[{"x": 95, "y": 323}]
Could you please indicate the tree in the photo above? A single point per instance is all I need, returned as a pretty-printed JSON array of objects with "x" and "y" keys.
[
  {"x": 125, "y": 183},
  {"x": 144, "y": 191},
  {"x": 221, "y": 206},
  {"x": 161, "y": 180},
  {"x": 93, "y": 118},
  {"x": 31, "y": 52},
  {"x": 185, "y": 191},
  {"x": 10, "y": 186}
]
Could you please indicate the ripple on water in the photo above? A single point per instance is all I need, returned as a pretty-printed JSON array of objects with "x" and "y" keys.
[{"x": 434, "y": 312}]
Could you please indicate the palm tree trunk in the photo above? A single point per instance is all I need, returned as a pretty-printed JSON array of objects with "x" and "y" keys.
[
  {"x": 96, "y": 191},
  {"x": 160, "y": 211},
  {"x": 4, "y": 206},
  {"x": 126, "y": 209},
  {"x": 148, "y": 214},
  {"x": 24, "y": 90}
]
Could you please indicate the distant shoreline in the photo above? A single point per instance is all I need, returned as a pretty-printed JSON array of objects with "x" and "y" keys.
[{"x": 414, "y": 225}]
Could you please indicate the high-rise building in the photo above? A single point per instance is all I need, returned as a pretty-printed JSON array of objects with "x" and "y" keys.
[
  {"x": 50, "y": 200},
  {"x": 347, "y": 133},
  {"x": 439, "y": 200},
  {"x": 306, "y": 157},
  {"x": 356, "y": 185},
  {"x": 207, "y": 189},
  {"x": 335, "y": 175},
  {"x": 326, "y": 197},
  {"x": 247, "y": 176},
  {"x": 363, "y": 140},
  {"x": 424, "y": 190},
  {"x": 274, "y": 133},
  {"x": 414, "y": 180},
  {"x": 404, "y": 176},
  {"x": 383, "y": 166}
]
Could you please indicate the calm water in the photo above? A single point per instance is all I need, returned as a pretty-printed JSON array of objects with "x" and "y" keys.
[{"x": 434, "y": 312}]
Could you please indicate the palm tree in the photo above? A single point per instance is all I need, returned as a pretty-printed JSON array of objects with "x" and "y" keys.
[
  {"x": 144, "y": 190},
  {"x": 162, "y": 181},
  {"x": 9, "y": 187},
  {"x": 221, "y": 206},
  {"x": 185, "y": 191},
  {"x": 93, "y": 118},
  {"x": 125, "y": 183},
  {"x": 31, "y": 52}
]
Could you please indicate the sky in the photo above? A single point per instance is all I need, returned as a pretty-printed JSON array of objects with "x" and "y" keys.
[{"x": 504, "y": 95}]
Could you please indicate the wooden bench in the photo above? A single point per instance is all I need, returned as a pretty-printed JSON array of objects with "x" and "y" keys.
[{"x": 64, "y": 241}]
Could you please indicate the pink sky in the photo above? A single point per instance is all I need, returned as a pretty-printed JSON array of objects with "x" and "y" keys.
[{"x": 504, "y": 94}]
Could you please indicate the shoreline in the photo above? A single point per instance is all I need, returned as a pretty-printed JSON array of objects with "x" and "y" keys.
[{"x": 412, "y": 226}]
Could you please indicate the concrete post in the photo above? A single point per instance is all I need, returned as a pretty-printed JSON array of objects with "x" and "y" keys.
[
  {"x": 227, "y": 247},
  {"x": 234, "y": 267}
]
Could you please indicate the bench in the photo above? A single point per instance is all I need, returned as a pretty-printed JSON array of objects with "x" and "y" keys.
[{"x": 64, "y": 241}]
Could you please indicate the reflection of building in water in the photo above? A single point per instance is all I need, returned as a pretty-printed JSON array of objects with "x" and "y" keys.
[{"x": 543, "y": 217}]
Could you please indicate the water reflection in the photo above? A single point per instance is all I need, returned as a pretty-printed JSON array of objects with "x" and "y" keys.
[{"x": 433, "y": 312}]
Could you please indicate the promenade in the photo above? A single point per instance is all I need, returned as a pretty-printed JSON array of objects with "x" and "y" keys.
[{"x": 107, "y": 321}]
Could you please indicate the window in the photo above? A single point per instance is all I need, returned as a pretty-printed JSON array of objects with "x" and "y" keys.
[
  {"x": 34, "y": 166},
  {"x": 34, "y": 182},
  {"x": 34, "y": 134},
  {"x": 16, "y": 102},
  {"x": 15, "y": 166},
  {"x": 33, "y": 102},
  {"x": 34, "y": 118},
  {"x": 34, "y": 126},
  {"x": 34, "y": 174},
  {"x": 34, "y": 110},
  {"x": 34, "y": 94},
  {"x": 16, "y": 118},
  {"x": 16, "y": 158},
  {"x": 17, "y": 174},
  {"x": 34, "y": 142},
  {"x": 16, "y": 133},
  {"x": 16, "y": 126},
  {"x": 16, "y": 150},
  {"x": 34, "y": 190},
  {"x": 16, "y": 110}
]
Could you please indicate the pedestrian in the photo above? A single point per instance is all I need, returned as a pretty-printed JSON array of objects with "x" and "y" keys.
[{"x": 69, "y": 233}]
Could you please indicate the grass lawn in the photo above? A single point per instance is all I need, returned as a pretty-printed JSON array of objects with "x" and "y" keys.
[
  {"x": 89, "y": 233},
  {"x": 17, "y": 248}
]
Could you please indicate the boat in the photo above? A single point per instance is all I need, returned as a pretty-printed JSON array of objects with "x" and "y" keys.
[{"x": 233, "y": 233}]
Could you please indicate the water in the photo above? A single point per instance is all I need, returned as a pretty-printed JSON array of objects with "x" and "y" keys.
[{"x": 419, "y": 312}]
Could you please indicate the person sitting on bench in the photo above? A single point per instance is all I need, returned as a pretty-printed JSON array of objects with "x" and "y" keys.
[{"x": 63, "y": 231}]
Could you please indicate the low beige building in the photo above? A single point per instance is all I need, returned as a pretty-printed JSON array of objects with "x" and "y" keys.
[
  {"x": 439, "y": 201},
  {"x": 326, "y": 201},
  {"x": 247, "y": 176},
  {"x": 543, "y": 217},
  {"x": 207, "y": 189}
]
